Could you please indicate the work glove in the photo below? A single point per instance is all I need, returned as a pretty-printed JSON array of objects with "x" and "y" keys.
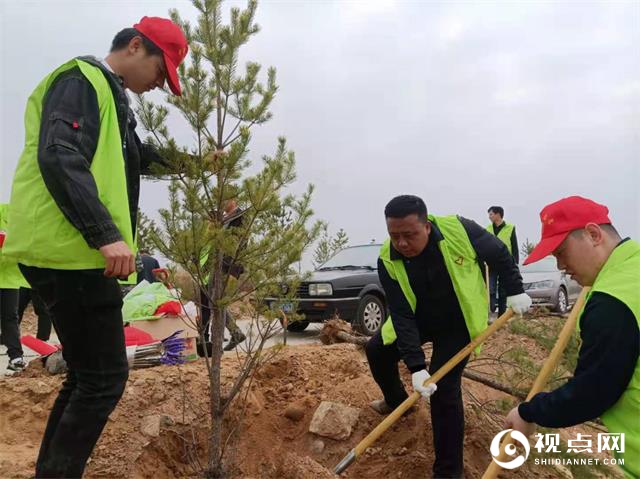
[
  {"x": 418, "y": 379},
  {"x": 520, "y": 303}
]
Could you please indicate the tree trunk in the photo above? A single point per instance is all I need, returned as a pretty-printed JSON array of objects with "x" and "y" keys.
[{"x": 215, "y": 467}]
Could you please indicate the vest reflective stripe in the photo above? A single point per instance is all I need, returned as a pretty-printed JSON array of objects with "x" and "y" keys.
[
  {"x": 39, "y": 234},
  {"x": 504, "y": 234},
  {"x": 10, "y": 275},
  {"x": 462, "y": 265},
  {"x": 620, "y": 278}
]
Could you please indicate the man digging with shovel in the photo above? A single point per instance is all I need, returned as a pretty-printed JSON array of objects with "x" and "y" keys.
[
  {"x": 606, "y": 382},
  {"x": 432, "y": 273}
]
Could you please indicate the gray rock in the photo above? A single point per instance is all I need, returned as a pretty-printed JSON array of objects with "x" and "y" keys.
[
  {"x": 317, "y": 446},
  {"x": 55, "y": 363},
  {"x": 151, "y": 425},
  {"x": 334, "y": 420}
]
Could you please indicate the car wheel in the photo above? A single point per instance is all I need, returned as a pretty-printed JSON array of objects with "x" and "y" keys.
[
  {"x": 562, "y": 302},
  {"x": 370, "y": 315},
  {"x": 297, "y": 326}
]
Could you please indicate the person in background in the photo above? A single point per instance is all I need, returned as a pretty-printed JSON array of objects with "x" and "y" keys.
[
  {"x": 149, "y": 263},
  {"x": 232, "y": 218},
  {"x": 506, "y": 233},
  {"x": 26, "y": 296},
  {"x": 11, "y": 280}
]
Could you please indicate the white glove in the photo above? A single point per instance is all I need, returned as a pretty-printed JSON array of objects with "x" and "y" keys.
[
  {"x": 520, "y": 303},
  {"x": 418, "y": 379}
]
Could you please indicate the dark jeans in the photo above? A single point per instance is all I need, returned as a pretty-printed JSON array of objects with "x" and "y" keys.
[
  {"x": 9, "y": 325},
  {"x": 497, "y": 294},
  {"x": 86, "y": 312},
  {"x": 205, "y": 317},
  {"x": 447, "y": 410},
  {"x": 44, "y": 318}
]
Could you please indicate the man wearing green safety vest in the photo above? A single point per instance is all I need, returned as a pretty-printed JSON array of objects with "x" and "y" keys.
[
  {"x": 11, "y": 280},
  {"x": 506, "y": 233},
  {"x": 432, "y": 272},
  {"x": 72, "y": 221},
  {"x": 606, "y": 381}
]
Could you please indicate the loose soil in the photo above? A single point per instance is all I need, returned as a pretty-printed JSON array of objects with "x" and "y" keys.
[{"x": 266, "y": 443}]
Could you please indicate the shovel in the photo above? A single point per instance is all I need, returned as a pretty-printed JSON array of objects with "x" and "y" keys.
[
  {"x": 540, "y": 382},
  {"x": 399, "y": 411}
]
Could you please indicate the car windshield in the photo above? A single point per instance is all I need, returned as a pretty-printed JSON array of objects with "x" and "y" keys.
[
  {"x": 354, "y": 257},
  {"x": 546, "y": 265}
]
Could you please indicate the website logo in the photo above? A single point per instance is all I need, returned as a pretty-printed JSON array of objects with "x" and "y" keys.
[{"x": 510, "y": 450}]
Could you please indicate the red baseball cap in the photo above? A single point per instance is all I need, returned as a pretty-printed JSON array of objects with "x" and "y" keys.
[
  {"x": 169, "y": 38},
  {"x": 561, "y": 218}
]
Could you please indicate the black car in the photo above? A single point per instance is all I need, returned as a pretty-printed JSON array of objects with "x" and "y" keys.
[{"x": 346, "y": 286}]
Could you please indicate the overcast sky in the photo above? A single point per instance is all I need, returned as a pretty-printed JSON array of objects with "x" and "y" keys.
[{"x": 467, "y": 104}]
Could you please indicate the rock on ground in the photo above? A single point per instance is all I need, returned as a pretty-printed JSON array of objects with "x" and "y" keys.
[{"x": 334, "y": 420}]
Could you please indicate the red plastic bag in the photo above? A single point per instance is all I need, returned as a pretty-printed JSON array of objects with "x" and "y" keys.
[
  {"x": 136, "y": 337},
  {"x": 170, "y": 307}
]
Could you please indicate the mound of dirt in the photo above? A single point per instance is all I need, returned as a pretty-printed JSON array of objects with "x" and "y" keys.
[{"x": 159, "y": 429}]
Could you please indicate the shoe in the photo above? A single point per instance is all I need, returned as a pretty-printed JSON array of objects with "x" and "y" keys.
[
  {"x": 381, "y": 407},
  {"x": 16, "y": 364},
  {"x": 201, "y": 349},
  {"x": 235, "y": 340}
]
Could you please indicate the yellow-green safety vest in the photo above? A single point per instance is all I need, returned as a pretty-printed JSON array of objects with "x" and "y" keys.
[
  {"x": 10, "y": 275},
  {"x": 39, "y": 234},
  {"x": 461, "y": 262},
  {"x": 620, "y": 278},
  {"x": 504, "y": 234}
]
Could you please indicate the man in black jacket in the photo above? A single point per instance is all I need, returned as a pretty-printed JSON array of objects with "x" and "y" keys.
[
  {"x": 149, "y": 263},
  {"x": 80, "y": 114},
  {"x": 233, "y": 218},
  {"x": 506, "y": 233},
  {"x": 436, "y": 316}
]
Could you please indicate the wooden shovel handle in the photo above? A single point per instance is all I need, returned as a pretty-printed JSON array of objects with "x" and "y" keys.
[
  {"x": 439, "y": 374},
  {"x": 543, "y": 377}
]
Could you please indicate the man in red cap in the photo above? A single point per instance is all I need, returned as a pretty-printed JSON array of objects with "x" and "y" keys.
[
  {"x": 74, "y": 207},
  {"x": 606, "y": 382}
]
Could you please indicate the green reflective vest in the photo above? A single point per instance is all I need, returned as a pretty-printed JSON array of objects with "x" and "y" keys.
[
  {"x": 504, "y": 234},
  {"x": 10, "y": 275},
  {"x": 39, "y": 234},
  {"x": 620, "y": 278},
  {"x": 462, "y": 264}
]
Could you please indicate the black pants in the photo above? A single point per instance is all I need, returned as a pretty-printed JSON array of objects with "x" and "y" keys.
[
  {"x": 205, "y": 317},
  {"x": 9, "y": 326},
  {"x": 447, "y": 410},
  {"x": 86, "y": 312},
  {"x": 497, "y": 294},
  {"x": 44, "y": 319}
]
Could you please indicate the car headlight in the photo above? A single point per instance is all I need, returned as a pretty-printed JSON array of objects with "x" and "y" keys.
[
  {"x": 542, "y": 284},
  {"x": 320, "y": 289}
]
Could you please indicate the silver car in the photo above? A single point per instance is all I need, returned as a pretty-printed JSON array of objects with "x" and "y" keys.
[{"x": 548, "y": 286}]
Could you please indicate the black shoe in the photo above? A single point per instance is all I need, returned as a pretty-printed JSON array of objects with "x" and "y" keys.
[
  {"x": 235, "y": 340},
  {"x": 201, "y": 349},
  {"x": 17, "y": 364}
]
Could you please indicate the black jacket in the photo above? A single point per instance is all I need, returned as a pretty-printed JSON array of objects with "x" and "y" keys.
[
  {"x": 438, "y": 310},
  {"x": 149, "y": 263},
  {"x": 69, "y": 131}
]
